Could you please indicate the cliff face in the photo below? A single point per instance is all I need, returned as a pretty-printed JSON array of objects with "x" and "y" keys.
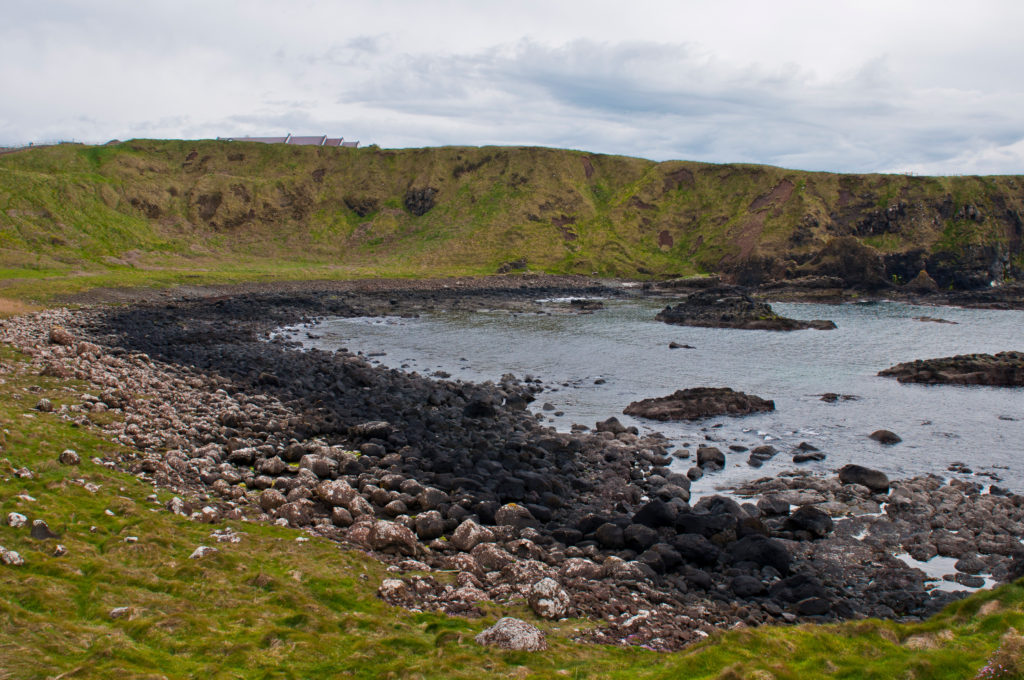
[{"x": 477, "y": 210}]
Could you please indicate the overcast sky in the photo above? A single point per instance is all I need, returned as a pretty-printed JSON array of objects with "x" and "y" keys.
[{"x": 932, "y": 87}]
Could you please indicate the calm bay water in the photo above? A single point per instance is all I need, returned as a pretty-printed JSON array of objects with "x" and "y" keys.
[{"x": 623, "y": 346}]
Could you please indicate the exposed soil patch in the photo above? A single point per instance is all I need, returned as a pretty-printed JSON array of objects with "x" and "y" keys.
[{"x": 777, "y": 196}]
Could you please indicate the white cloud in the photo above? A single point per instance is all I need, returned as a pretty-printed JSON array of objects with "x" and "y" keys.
[{"x": 848, "y": 86}]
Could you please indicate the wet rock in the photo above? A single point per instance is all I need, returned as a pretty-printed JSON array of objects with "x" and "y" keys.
[
  {"x": 773, "y": 506},
  {"x": 731, "y": 308},
  {"x": 874, "y": 480},
  {"x": 808, "y": 456},
  {"x": 710, "y": 456},
  {"x": 1005, "y": 369},
  {"x": 810, "y": 519},
  {"x": 699, "y": 402},
  {"x": 513, "y": 634},
  {"x": 885, "y": 437},
  {"x": 611, "y": 425}
]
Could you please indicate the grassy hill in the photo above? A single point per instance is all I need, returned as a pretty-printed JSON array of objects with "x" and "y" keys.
[{"x": 164, "y": 211}]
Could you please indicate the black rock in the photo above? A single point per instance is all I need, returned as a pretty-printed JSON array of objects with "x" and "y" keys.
[
  {"x": 875, "y": 480},
  {"x": 639, "y": 537},
  {"x": 761, "y": 551},
  {"x": 810, "y": 519},
  {"x": 656, "y": 513},
  {"x": 746, "y": 586}
]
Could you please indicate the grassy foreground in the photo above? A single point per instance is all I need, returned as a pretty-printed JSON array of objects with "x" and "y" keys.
[{"x": 275, "y": 606}]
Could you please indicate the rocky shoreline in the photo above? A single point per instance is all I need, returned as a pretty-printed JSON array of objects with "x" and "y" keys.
[
  {"x": 469, "y": 497},
  {"x": 1005, "y": 369}
]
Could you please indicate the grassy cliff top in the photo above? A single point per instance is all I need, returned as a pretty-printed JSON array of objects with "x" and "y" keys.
[{"x": 160, "y": 212}]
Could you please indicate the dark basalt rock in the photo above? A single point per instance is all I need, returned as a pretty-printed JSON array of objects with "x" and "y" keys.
[
  {"x": 699, "y": 402},
  {"x": 885, "y": 437},
  {"x": 732, "y": 308},
  {"x": 1005, "y": 369},
  {"x": 857, "y": 474}
]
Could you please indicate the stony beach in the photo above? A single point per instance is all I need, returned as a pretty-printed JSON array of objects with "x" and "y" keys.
[{"x": 469, "y": 497}]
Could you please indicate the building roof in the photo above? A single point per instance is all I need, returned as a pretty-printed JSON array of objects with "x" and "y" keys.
[{"x": 321, "y": 140}]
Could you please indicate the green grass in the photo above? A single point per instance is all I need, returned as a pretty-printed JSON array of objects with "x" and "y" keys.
[
  {"x": 159, "y": 211},
  {"x": 273, "y": 607}
]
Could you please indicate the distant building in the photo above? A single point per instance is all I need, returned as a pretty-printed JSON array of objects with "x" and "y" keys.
[{"x": 298, "y": 141}]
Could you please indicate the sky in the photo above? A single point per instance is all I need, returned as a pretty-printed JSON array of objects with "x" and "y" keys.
[{"x": 925, "y": 87}]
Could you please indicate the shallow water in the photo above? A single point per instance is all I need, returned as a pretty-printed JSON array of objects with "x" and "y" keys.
[{"x": 623, "y": 345}]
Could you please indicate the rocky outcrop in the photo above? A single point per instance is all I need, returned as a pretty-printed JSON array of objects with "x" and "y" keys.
[
  {"x": 1005, "y": 369},
  {"x": 699, "y": 402},
  {"x": 732, "y": 308}
]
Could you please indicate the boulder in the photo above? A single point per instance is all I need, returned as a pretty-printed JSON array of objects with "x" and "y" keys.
[
  {"x": 513, "y": 634},
  {"x": 548, "y": 599},
  {"x": 469, "y": 534},
  {"x": 61, "y": 336},
  {"x": 513, "y": 514},
  {"x": 762, "y": 551},
  {"x": 710, "y": 456},
  {"x": 336, "y": 492},
  {"x": 875, "y": 480},
  {"x": 271, "y": 499},
  {"x": 429, "y": 525},
  {"x": 69, "y": 457},
  {"x": 810, "y": 519},
  {"x": 885, "y": 437},
  {"x": 656, "y": 513},
  {"x": 391, "y": 537}
]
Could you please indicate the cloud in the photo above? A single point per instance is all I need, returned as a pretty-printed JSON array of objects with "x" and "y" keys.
[{"x": 722, "y": 83}]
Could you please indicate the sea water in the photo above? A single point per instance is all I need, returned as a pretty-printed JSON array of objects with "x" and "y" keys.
[{"x": 593, "y": 365}]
